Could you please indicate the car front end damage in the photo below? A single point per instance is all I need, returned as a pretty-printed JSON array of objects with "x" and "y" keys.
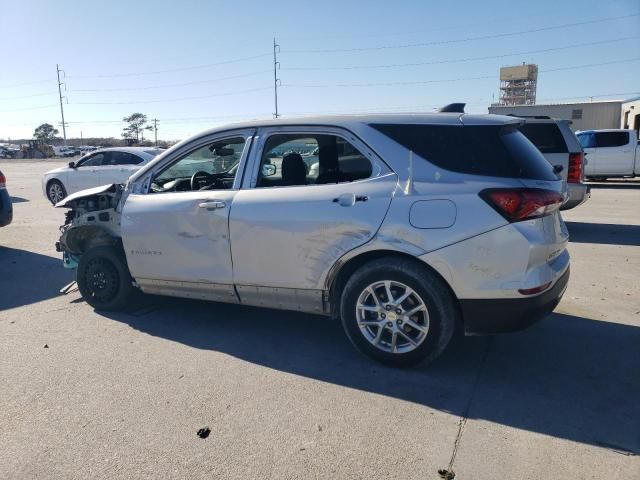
[{"x": 93, "y": 220}]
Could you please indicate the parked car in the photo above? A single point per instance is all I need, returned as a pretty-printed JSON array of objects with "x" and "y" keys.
[
  {"x": 63, "y": 151},
  {"x": 430, "y": 222},
  {"x": 610, "y": 153},
  {"x": 6, "y": 152},
  {"x": 6, "y": 207},
  {"x": 559, "y": 145},
  {"x": 106, "y": 166}
]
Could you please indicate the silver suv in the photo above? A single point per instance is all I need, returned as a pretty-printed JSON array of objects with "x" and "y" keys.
[
  {"x": 410, "y": 226},
  {"x": 560, "y": 146}
]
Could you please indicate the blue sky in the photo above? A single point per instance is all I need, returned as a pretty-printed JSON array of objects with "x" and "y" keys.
[{"x": 197, "y": 64}]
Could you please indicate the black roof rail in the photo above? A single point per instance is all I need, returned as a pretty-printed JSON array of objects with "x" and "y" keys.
[
  {"x": 538, "y": 117},
  {"x": 452, "y": 108}
]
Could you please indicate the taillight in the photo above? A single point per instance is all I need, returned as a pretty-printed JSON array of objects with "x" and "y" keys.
[
  {"x": 517, "y": 204},
  {"x": 576, "y": 160},
  {"x": 534, "y": 290},
  {"x": 3, "y": 180}
]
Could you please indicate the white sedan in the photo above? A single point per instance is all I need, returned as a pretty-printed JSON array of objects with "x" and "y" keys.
[{"x": 104, "y": 166}]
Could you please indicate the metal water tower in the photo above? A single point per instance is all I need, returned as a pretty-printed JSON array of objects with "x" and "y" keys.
[{"x": 518, "y": 85}]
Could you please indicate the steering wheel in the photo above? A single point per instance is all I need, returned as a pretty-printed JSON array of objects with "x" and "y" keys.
[{"x": 202, "y": 179}]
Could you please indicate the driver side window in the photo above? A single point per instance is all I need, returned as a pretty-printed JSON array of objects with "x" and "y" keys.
[{"x": 212, "y": 167}]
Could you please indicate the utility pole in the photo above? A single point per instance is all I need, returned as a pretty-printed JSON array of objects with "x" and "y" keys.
[
  {"x": 155, "y": 129},
  {"x": 81, "y": 139},
  {"x": 64, "y": 127},
  {"x": 276, "y": 80}
]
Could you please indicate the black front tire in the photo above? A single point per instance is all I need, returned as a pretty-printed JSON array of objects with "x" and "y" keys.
[
  {"x": 104, "y": 279},
  {"x": 441, "y": 304},
  {"x": 50, "y": 194}
]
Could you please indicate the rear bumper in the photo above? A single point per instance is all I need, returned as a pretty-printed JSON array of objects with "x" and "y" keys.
[
  {"x": 489, "y": 316},
  {"x": 578, "y": 194},
  {"x": 6, "y": 208}
]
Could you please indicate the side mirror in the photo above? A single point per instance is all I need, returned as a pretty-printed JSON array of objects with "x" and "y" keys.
[
  {"x": 268, "y": 170},
  {"x": 72, "y": 164}
]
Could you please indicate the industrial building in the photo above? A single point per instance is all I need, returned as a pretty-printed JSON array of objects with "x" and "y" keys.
[{"x": 583, "y": 115}]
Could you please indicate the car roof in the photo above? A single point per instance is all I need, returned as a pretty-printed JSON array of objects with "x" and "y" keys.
[
  {"x": 354, "y": 121},
  {"x": 136, "y": 150}
]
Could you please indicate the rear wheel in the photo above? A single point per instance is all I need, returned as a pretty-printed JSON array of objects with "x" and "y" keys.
[
  {"x": 398, "y": 312},
  {"x": 55, "y": 191},
  {"x": 104, "y": 279}
]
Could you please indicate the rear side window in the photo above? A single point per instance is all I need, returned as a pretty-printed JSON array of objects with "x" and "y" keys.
[
  {"x": 611, "y": 139},
  {"x": 546, "y": 136},
  {"x": 125, "y": 158},
  {"x": 489, "y": 150}
]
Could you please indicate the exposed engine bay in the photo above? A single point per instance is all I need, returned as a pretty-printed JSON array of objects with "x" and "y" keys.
[{"x": 93, "y": 219}]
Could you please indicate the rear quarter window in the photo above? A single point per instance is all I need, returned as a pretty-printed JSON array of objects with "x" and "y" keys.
[
  {"x": 488, "y": 150},
  {"x": 546, "y": 136}
]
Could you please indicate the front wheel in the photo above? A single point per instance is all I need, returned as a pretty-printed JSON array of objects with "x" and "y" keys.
[
  {"x": 55, "y": 191},
  {"x": 104, "y": 279},
  {"x": 398, "y": 312}
]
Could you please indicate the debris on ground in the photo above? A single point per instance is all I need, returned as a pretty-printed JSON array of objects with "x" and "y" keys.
[
  {"x": 46, "y": 346},
  {"x": 71, "y": 287},
  {"x": 204, "y": 432},
  {"x": 447, "y": 474}
]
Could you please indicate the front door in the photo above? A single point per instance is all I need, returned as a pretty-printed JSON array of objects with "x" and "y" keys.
[
  {"x": 314, "y": 195},
  {"x": 176, "y": 235},
  {"x": 88, "y": 172}
]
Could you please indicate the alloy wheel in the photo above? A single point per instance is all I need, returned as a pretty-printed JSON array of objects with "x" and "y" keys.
[
  {"x": 392, "y": 316},
  {"x": 56, "y": 193}
]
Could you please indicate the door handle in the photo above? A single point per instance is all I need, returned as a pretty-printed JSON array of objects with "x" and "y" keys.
[
  {"x": 212, "y": 205},
  {"x": 349, "y": 199}
]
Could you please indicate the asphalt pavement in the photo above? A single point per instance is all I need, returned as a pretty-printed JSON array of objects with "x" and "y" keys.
[{"x": 122, "y": 396}]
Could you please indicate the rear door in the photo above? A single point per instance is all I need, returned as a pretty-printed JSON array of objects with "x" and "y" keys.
[
  {"x": 122, "y": 166},
  {"x": 287, "y": 230},
  {"x": 615, "y": 153}
]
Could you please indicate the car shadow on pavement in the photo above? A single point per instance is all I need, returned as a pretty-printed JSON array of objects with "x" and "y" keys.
[
  {"x": 607, "y": 233},
  {"x": 29, "y": 277},
  {"x": 19, "y": 200},
  {"x": 568, "y": 377}
]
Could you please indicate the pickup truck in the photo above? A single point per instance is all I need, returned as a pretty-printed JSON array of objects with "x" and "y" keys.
[{"x": 610, "y": 153}]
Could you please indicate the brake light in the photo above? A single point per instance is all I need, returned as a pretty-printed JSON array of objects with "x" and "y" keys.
[
  {"x": 3, "y": 180},
  {"x": 517, "y": 204},
  {"x": 576, "y": 160}
]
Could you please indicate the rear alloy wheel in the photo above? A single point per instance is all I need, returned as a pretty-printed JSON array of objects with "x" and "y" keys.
[
  {"x": 104, "y": 280},
  {"x": 398, "y": 312},
  {"x": 392, "y": 317},
  {"x": 55, "y": 191}
]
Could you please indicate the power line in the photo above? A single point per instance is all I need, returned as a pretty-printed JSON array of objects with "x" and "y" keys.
[
  {"x": 24, "y": 83},
  {"x": 28, "y": 96},
  {"x": 166, "y": 100},
  {"x": 467, "y": 59},
  {"x": 463, "y": 40},
  {"x": 169, "y": 85},
  {"x": 482, "y": 77},
  {"x": 29, "y": 108},
  {"x": 170, "y": 70}
]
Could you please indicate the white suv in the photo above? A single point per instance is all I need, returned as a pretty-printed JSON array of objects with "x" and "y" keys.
[{"x": 427, "y": 222}]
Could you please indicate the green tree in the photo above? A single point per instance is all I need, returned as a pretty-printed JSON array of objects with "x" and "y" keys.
[
  {"x": 136, "y": 125},
  {"x": 45, "y": 133}
]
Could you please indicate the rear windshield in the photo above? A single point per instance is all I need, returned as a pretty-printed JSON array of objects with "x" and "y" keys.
[
  {"x": 489, "y": 150},
  {"x": 546, "y": 136}
]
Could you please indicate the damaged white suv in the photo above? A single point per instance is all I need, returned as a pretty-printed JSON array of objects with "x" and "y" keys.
[{"x": 409, "y": 226}]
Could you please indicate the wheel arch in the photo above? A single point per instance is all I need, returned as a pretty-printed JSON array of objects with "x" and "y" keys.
[
  {"x": 339, "y": 277},
  {"x": 78, "y": 240}
]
